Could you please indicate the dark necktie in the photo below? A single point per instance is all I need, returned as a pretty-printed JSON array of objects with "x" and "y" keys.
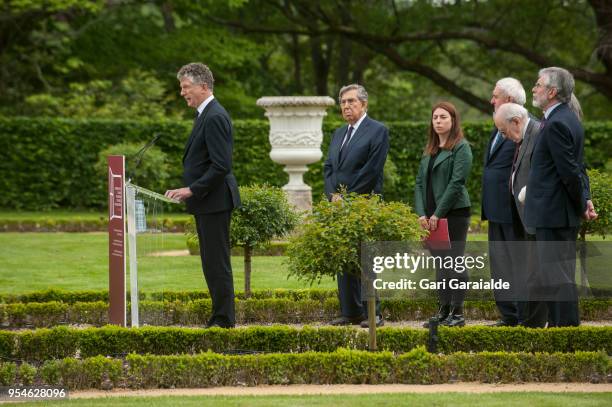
[
  {"x": 345, "y": 141},
  {"x": 495, "y": 141},
  {"x": 542, "y": 123}
]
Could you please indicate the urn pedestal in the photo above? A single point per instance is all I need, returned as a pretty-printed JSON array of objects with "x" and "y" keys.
[{"x": 295, "y": 136}]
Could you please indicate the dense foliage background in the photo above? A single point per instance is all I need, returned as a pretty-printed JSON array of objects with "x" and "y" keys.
[{"x": 118, "y": 59}]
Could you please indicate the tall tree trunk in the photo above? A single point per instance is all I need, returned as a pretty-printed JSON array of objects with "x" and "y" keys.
[
  {"x": 297, "y": 64},
  {"x": 248, "y": 250},
  {"x": 166, "y": 10},
  {"x": 343, "y": 63},
  {"x": 603, "y": 17},
  {"x": 320, "y": 66}
]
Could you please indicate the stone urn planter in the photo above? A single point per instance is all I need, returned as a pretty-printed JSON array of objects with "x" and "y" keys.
[{"x": 296, "y": 135}]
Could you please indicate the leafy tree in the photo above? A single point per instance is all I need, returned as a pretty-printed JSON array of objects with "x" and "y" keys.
[
  {"x": 139, "y": 95},
  {"x": 265, "y": 214},
  {"x": 461, "y": 47},
  {"x": 330, "y": 238}
]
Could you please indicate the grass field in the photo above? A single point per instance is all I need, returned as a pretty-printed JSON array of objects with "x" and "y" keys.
[
  {"x": 79, "y": 261},
  {"x": 404, "y": 399}
]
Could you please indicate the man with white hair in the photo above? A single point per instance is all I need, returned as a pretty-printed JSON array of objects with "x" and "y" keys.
[
  {"x": 496, "y": 200},
  {"x": 514, "y": 123},
  {"x": 556, "y": 197}
]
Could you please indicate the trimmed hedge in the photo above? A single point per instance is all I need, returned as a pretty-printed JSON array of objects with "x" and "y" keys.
[
  {"x": 61, "y": 342},
  {"x": 340, "y": 367},
  {"x": 72, "y": 296},
  {"x": 266, "y": 310},
  {"x": 76, "y": 224},
  {"x": 63, "y": 150},
  {"x": 170, "y": 225}
]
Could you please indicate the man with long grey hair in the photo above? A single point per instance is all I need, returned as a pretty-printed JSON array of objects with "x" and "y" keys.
[{"x": 556, "y": 196}]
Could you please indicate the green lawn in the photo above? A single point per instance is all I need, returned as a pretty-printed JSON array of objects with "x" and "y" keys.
[
  {"x": 78, "y": 261},
  {"x": 404, "y": 399}
]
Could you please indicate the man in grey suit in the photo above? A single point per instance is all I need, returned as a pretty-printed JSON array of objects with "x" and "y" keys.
[
  {"x": 514, "y": 122},
  {"x": 355, "y": 162}
]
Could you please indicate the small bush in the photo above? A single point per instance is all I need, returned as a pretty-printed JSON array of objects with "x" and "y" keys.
[{"x": 330, "y": 239}]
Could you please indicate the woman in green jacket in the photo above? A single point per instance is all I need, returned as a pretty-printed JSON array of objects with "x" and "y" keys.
[{"x": 440, "y": 192}]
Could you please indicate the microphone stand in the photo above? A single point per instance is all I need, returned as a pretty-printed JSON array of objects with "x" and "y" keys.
[{"x": 140, "y": 154}]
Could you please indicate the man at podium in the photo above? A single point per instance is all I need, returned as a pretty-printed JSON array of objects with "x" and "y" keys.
[{"x": 211, "y": 191}]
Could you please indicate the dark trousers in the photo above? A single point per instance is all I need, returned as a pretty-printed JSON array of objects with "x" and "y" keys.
[
  {"x": 557, "y": 269},
  {"x": 349, "y": 294},
  {"x": 536, "y": 311},
  {"x": 457, "y": 231},
  {"x": 213, "y": 233},
  {"x": 504, "y": 260}
]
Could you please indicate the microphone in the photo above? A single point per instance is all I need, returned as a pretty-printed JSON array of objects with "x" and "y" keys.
[{"x": 140, "y": 154}]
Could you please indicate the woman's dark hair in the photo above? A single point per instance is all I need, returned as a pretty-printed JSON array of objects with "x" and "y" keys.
[{"x": 455, "y": 135}]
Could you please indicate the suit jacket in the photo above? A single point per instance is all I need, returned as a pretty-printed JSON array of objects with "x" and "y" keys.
[
  {"x": 207, "y": 163},
  {"x": 363, "y": 161},
  {"x": 495, "y": 176},
  {"x": 523, "y": 165},
  {"x": 556, "y": 191},
  {"x": 449, "y": 175}
]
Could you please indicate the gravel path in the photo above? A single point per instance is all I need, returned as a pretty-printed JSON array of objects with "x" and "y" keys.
[{"x": 354, "y": 389}]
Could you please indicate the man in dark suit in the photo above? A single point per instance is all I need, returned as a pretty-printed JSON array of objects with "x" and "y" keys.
[
  {"x": 514, "y": 123},
  {"x": 556, "y": 195},
  {"x": 211, "y": 190},
  {"x": 355, "y": 161},
  {"x": 496, "y": 201}
]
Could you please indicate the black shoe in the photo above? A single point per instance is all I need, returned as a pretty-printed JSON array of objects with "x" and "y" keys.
[
  {"x": 379, "y": 322},
  {"x": 454, "y": 320},
  {"x": 346, "y": 321},
  {"x": 500, "y": 323},
  {"x": 455, "y": 317},
  {"x": 440, "y": 316}
]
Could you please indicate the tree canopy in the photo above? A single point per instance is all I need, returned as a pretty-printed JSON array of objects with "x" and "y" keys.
[{"x": 408, "y": 53}]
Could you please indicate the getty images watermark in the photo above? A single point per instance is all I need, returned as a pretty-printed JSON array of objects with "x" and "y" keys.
[
  {"x": 413, "y": 262},
  {"x": 529, "y": 271}
]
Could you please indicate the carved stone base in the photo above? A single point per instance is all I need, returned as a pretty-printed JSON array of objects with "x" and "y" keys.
[{"x": 300, "y": 199}]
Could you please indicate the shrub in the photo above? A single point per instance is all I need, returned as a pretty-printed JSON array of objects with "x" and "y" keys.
[
  {"x": 601, "y": 194},
  {"x": 331, "y": 237},
  {"x": 339, "y": 367},
  {"x": 34, "y": 142},
  {"x": 265, "y": 214},
  {"x": 261, "y": 307},
  {"x": 112, "y": 341}
]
